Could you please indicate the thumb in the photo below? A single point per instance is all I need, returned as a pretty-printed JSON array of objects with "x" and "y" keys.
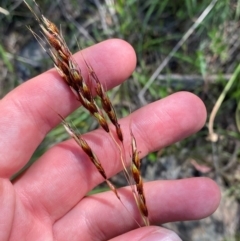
[
  {"x": 7, "y": 204},
  {"x": 152, "y": 233}
]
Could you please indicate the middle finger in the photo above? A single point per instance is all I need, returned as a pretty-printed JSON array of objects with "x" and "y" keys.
[{"x": 62, "y": 176}]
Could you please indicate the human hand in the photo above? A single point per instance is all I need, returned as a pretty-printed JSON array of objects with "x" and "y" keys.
[{"x": 48, "y": 201}]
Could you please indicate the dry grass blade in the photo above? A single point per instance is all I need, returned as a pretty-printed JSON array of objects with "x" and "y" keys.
[{"x": 4, "y": 11}]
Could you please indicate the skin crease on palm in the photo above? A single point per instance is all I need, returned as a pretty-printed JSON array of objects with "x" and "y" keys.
[{"x": 48, "y": 201}]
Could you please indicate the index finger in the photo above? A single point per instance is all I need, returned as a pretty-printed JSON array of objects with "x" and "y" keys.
[{"x": 26, "y": 116}]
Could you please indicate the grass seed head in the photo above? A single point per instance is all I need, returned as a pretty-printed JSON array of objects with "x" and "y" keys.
[{"x": 71, "y": 74}]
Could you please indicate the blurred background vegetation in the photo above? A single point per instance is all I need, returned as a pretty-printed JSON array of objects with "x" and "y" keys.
[{"x": 176, "y": 51}]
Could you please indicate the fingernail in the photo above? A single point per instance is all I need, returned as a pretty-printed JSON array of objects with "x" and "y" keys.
[{"x": 161, "y": 235}]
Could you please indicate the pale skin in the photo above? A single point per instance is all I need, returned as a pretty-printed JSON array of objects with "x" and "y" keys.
[{"x": 48, "y": 201}]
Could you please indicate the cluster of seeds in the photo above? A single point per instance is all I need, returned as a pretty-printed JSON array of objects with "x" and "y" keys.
[
  {"x": 136, "y": 173},
  {"x": 71, "y": 74}
]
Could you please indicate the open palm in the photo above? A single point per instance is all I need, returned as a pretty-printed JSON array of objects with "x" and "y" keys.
[{"x": 48, "y": 201}]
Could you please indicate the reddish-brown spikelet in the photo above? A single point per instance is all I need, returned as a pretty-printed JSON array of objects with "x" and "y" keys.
[
  {"x": 52, "y": 28},
  {"x": 86, "y": 148},
  {"x": 136, "y": 172},
  {"x": 106, "y": 103},
  {"x": 142, "y": 205},
  {"x": 52, "y": 39},
  {"x": 76, "y": 79}
]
